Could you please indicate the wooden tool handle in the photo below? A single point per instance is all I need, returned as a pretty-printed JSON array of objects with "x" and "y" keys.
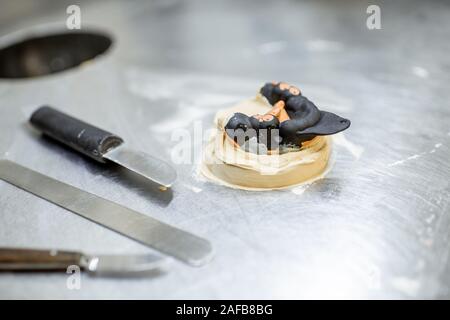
[{"x": 12, "y": 259}]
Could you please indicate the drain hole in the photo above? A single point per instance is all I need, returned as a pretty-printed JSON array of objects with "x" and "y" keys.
[{"x": 50, "y": 54}]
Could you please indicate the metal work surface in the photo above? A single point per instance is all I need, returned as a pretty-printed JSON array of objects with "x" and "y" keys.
[{"x": 377, "y": 226}]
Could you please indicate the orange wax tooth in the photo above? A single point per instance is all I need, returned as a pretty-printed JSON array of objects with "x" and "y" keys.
[
  {"x": 283, "y": 116},
  {"x": 284, "y": 86},
  {"x": 276, "y": 109},
  {"x": 279, "y": 111}
]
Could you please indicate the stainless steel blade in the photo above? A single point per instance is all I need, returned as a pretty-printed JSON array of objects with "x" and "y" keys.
[
  {"x": 123, "y": 265},
  {"x": 152, "y": 168},
  {"x": 149, "y": 231},
  {"x": 52, "y": 260}
]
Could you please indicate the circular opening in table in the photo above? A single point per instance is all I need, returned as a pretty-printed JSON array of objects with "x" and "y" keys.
[{"x": 44, "y": 55}]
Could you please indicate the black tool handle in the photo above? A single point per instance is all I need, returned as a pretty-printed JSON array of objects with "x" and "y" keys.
[
  {"x": 12, "y": 259},
  {"x": 79, "y": 135}
]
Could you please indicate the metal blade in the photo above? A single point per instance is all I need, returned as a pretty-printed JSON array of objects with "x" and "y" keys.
[
  {"x": 125, "y": 265},
  {"x": 144, "y": 164},
  {"x": 149, "y": 231}
]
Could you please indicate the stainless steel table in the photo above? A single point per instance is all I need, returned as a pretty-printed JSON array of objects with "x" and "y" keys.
[{"x": 376, "y": 227}]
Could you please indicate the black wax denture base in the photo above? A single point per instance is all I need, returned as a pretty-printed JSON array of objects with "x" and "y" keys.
[
  {"x": 274, "y": 93},
  {"x": 306, "y": 120},
  {"x": 328, "y": 124}
]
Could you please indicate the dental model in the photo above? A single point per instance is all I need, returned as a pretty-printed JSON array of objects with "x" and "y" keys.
[{"x": 274, "y": 141}]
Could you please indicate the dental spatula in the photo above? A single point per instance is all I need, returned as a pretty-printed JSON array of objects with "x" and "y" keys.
[
  {"x": 151, "y": 232},
  {"x": 21, "y": 259},
  {"x": 100, "y": 145}
]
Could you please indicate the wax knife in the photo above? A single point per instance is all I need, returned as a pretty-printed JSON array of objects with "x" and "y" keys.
[
  {"x": 151, "y": 232},
  {"x": 21, "y": 259},
  {"x": 100, "y": 145}
]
